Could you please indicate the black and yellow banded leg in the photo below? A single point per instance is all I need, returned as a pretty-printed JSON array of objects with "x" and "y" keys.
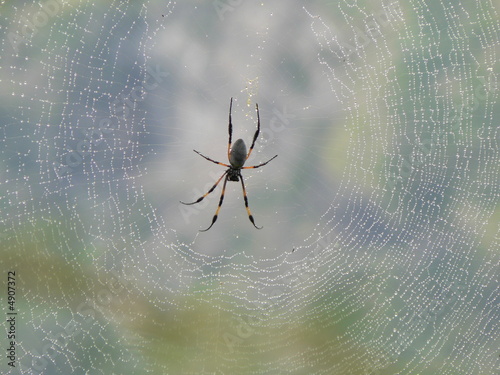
[
  {"x": 256, "y": 135},
  {"x": 214, "y": 219},
  {"x": 208, "y": 192},
  {"x": 260, "y": 165},
  {"x": 246, "y": 203},
  {"x": 230, "y": 128},
  {"x": 213, "y": 161}
]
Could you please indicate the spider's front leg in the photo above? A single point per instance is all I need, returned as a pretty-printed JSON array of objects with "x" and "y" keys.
[
  {"x": 256, "y": 135},
  {"x": 260, "y": 165},
  {"x": 213, "y": 161},
  {"x": 230, "y": 128}
]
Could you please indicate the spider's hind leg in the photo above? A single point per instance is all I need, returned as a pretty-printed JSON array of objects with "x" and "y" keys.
[
  {"x": 250, "y": 216},
  {"x": 214, "y": 219}
]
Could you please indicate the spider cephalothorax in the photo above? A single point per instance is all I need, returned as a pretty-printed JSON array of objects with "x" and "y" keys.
[
  {"x": 233, "y": 174},
  {"x": 237, "y": 155}
]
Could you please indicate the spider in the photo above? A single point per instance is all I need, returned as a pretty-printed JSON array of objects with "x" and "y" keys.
[{"x": 237, "y": 155}]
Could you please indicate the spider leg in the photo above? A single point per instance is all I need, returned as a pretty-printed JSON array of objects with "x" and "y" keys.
[
  {"x": 260, "y": 165},
  {"x": 204, "y": 195},
  {"x": 246, "y": 203},
  {"x": 214, "y": 219},
  {"x": 256, "y": 133},
  {"x": 230, "y": 128},
  {"x": 213, "y": 161}
]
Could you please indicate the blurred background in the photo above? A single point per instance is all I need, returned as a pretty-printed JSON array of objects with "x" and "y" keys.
[{"x": 379, "y": 251}]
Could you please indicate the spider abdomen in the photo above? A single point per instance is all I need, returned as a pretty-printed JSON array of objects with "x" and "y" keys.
[{"x": 238, "y": 154}]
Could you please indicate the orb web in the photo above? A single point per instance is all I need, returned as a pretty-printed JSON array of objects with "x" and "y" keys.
[{"x": 379, "y": 252}]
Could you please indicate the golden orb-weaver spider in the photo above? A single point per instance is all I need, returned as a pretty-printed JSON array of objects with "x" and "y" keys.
[{"x": 237, "y": 155}]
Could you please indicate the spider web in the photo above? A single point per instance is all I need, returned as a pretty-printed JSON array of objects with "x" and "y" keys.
[{"x": 380, "y": 247}]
